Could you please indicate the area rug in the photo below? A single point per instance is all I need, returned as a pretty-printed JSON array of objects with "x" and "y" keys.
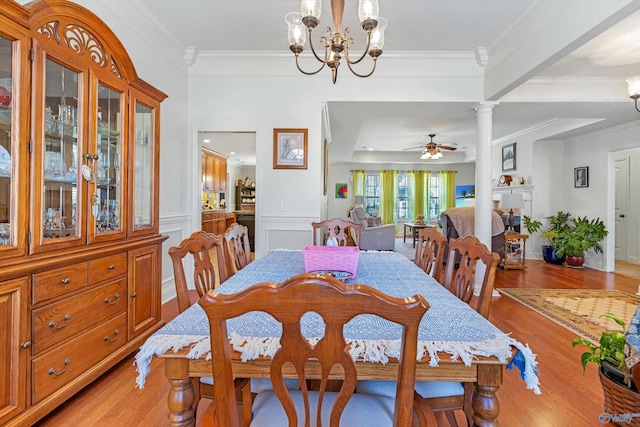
[
  {"x": 405, "y": 248},
  {"x": 578, "y": 310}
]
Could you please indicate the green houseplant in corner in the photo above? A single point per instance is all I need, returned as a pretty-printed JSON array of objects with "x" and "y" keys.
[
  {"x": 556, "y": 223},
  {"x": 576, "y": 239}
]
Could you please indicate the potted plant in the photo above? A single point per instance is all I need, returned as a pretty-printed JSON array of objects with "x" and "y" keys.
[
  {"x": 556, "y": 223},
  {"x": 576, "y": 239},
  {"x": 620, "y": 392}
]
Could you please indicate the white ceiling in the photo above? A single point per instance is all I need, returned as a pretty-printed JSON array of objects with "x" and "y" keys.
[{"x": 443, "y": 26}]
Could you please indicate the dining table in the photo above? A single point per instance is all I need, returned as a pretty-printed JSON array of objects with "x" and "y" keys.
[{"x": 455, "y": 343}]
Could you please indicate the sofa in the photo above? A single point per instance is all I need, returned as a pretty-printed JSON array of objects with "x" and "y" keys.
[
  {"x": 459, "y": 222},
  {"x": 373, "y": 235}
]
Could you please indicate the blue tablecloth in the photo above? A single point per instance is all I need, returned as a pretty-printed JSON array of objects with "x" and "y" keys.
[{"x": 449, "y": 326}]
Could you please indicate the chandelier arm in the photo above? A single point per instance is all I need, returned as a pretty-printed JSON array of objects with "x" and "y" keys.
[
  {"x": 363, "y": 75},
  {"x": 326, "y": 45},
  {"x": 308, "y": 73},
  {"x": 346, "y": 51}
]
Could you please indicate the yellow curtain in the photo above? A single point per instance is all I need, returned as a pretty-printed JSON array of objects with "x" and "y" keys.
[
  {"x": 448, "y": 189},
  {"x": 358, "y": 182},
  {"x": 420, "y": 196},
  {"x": 388, "y": 181}
]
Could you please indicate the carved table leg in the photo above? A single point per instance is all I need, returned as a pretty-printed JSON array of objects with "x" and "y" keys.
[
  {"x": 486, "y": 407},
  {"x": 182, "y": 394}
]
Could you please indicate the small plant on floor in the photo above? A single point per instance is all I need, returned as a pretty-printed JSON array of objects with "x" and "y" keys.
[{"x": 611, "y": 347}]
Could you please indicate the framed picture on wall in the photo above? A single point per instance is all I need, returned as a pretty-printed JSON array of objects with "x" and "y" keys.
[
  {"x": 342, "y": 190},
  {"x": 581, "y": 177},
  {"x": 290, "y": 148},
  {"x": 509, "y": 157}
]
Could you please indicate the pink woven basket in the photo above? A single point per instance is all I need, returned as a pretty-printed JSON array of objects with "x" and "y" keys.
[{"x": 341, "y": 258}]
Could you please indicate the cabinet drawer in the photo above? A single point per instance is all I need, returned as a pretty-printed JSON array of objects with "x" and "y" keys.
[
  {"x": 53, "y": 283},
  {"x": 58, "y": 321},
  {"x": 61, "y": 365},
  {"x": 107, "y": 268}
]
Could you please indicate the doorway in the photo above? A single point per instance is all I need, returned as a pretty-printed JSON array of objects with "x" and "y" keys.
[
  {"x": 627, "y": 214},
  {"x": 238, "y": 198}
]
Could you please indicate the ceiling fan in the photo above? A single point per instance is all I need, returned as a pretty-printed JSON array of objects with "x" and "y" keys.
[{"x": 431, "y": 150}]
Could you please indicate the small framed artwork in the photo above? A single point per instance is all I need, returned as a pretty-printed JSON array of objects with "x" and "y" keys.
[
  {"x": 509, "y": 157},
  {"x": 290, "y": 148},
  {"x": 342, "y": 190},
  {"x": 581, "y": 177}
]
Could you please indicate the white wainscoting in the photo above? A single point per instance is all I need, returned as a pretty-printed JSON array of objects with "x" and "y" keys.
[
  {"x": 284, "y": 231},
  {"x": 176, "y": 227}
]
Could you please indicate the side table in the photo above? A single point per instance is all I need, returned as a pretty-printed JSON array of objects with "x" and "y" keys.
[
  {"x": 413, "y": 229},
  {"x": 515, "y": 245}
]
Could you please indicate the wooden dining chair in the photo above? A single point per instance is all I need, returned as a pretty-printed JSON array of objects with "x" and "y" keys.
[
  {"x": 337, "y": 304},
  {"x": 202, "y": 246},
  {"x": 237, "y": 238},
  {"x": 338, "y": 229},
  {"x": 430, "y": 251},
  {"x": 460, "y": 280}
]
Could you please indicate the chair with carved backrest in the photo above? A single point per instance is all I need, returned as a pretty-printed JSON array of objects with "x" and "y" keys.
[
  {"x": 461, "y": 281},
  {"x": 430, "y": 251},
  {"x": 338, "y": 229},
  {"x": 202, "y": 246},
  {"x": 336, "y": 304},
  {"x": 237, "y": 237}
]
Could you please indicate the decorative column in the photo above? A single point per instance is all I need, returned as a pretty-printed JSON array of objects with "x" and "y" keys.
[{"x": 484, "y": 204}]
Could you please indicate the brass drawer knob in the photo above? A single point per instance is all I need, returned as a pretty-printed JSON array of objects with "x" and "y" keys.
[
  {"x": 55, "y": 325},
  {"x": 53, "y": 371},
  {"x": 115, "y": 300},
  {"x": 116, "y": 334}
]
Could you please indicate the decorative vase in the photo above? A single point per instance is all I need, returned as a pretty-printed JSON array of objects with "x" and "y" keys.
[
  {"x": 550, "y": 256},
  {"x": 575, "y": 260}
]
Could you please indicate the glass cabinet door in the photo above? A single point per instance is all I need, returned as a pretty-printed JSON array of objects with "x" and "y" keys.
[
  {"x": 58, "y": 157},
  {"x": 105, "y": 192},
  {"x": 6, "y": 168},
  {"x": 144, "y": 163}
]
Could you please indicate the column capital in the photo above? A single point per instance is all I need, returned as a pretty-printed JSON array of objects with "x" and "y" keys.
[{"x": 485, "y": 105}]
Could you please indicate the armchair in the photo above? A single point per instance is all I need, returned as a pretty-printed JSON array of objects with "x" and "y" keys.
[{"x": 372, "y": 236}]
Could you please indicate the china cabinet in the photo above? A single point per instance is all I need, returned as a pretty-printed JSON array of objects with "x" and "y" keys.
[{"x": 80, "y": 252}]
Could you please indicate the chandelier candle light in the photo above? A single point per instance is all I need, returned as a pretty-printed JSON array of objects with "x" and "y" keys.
[
  {"x": 335, "y": 42},
  {"x": 634, "y": 89}
]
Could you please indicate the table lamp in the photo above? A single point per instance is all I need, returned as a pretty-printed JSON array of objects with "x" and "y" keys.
[{"x": 511, "y": 201}]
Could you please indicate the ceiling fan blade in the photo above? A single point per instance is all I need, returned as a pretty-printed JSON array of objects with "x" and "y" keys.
[
  {"x": 413, "y": 148},
  {"x": 444, "y": 147}
]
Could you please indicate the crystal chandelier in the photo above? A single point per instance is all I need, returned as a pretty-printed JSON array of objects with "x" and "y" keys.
[{"x": 334, "y": 41}]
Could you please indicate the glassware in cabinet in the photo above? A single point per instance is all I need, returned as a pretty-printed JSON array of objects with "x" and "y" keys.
[
  {"x": 58, "y": 207},
  {"x": 106, "y": 189},
  {"x": 6, "y": 168},
  {"x": 144, "y": 160}
]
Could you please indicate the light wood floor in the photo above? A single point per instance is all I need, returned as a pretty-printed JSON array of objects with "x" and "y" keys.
[{"x": 569, "y": 396}]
